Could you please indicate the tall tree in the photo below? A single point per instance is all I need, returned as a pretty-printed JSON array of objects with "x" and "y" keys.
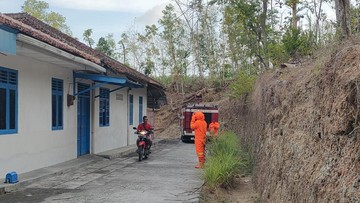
[
  {"x": 293, "y": 4},
  {"x": 343, "y": 17},
  {"x": 87, "y": 37},
  {"x": 107, "y": 46},
  {"x": 174, "y": 36},
  {"x": 39, "y": 10}
]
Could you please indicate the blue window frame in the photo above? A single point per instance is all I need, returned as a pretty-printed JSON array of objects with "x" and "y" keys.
[
  {"x": 8, "y": 101},
  {"x": 131, "y": 110},
  {"x": 104, "y": 111},
  {"x": 140, "y": 109},
  {"x": 8, "y": 40},
  {"x": 57, "y": 92}
]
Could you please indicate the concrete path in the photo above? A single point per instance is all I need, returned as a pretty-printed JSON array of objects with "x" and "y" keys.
[{"x": 167, "y": 176}]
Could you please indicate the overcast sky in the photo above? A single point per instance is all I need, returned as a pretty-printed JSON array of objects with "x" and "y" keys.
[{"x": 103, "y": 16}]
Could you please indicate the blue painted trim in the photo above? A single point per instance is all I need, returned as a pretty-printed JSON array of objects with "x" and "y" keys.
[
  {"x": 131, "y": 111},
  {"x": 140, "y": 109},
  {"x": 91, "y": 88},
  {"x": 5, "y": 85},
  {"x": 83, "y": 121},
  {"x": 56, "y": 84},
  {"x": 104, "y": 105},
  {"x": 8, "y": 29},
  {"x": 110, "y": 91},
  {"x": 7, "y": 42},
  {"x": 111, "y": 80}
]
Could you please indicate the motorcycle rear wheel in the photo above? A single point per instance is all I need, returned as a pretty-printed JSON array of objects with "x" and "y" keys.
[{"x": 141, "y": 152}]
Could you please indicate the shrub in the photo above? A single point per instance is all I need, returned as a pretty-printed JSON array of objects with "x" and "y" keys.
[
  {"x": 225, "y": 160},
  {"x": 242, "y": 85}
]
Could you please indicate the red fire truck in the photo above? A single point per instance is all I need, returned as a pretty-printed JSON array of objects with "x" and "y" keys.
[{"x": 211, "y": 113}]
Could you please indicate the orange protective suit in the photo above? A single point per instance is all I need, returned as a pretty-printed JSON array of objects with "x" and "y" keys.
[
  {"x": 214, "y": 128},
  {"x": 199, "y": 125}
]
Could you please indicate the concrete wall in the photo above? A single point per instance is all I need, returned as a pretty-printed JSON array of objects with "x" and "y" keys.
[
  {"x": 36, "y": 144},
  {"x": 119, "y": 133},
  {"x": 136, "y": 93},
  {"x": 114, "y": 135}
]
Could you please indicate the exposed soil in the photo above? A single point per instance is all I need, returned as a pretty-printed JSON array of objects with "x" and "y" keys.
[
  {"x": 242, "y": 192},
  {"x": 304, "y": 126}
]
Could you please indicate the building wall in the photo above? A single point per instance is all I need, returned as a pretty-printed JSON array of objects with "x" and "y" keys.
[
  {"x": 36, "y": 145},
  {"x": 114, "y": 135},
  {"x": 136, "y": 93},
  {"x": 119, "y": 133}
]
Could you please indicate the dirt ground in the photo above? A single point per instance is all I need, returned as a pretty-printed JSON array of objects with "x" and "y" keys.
[
  {"x": 242, "y": 192},
  {"x": 168, "y": 127}
]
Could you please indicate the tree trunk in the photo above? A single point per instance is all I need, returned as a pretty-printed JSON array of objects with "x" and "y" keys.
[
  {"x": 343, "y": 17},
  {"x": 294, "y": 14},
  {"x": 264, "y": 33}
]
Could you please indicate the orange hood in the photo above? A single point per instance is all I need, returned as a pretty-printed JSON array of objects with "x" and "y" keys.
[{"x": 199, "y": 116}]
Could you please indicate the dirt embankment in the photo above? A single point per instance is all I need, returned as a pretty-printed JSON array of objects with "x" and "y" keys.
[{"x": 303, "y": 123}]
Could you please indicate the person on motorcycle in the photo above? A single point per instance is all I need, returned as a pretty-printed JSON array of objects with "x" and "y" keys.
[
  {"x": 199, "y": 125},
  {"x": 145, "y": 126}
]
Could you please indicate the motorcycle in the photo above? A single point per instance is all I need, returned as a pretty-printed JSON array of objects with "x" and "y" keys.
[{"x": 142, "y": 143}]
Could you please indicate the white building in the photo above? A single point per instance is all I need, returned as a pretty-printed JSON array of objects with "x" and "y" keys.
[{"x": 60, "y": 99}]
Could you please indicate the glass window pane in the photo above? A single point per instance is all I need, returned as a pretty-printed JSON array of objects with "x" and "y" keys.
[
  {"x": 12, "y": 109},
  {"x": 2, "y": 108},
  {"x": 53, "y": 110},
  {"x": 60, "y": 111}
]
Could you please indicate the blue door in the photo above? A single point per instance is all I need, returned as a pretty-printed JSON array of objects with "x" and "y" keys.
[{"x": 83, "y": 131}]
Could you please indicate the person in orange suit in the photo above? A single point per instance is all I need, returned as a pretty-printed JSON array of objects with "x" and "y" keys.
[
  {"x": 199, "y": 125},
  {"x": 214, "y": 129}
]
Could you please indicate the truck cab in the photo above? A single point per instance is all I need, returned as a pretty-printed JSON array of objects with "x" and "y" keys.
[{"x": 211, "y": 113}]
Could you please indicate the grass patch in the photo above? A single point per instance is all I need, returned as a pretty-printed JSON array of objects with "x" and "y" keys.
[{"x": 225, "y": 161}]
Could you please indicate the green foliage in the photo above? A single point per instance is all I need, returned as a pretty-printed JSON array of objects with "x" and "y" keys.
[
  {"x": 38, "y": 9},
  {"x": 165, "y": 80},
  {"x": 277, "y": 53},
  {"x": 297, "y": 43},
  {"x": 354, "y": 18},
  {"x": 87, "y": 37},
  {"x": 226, "y": 159},
  {"x": 243, "y": 84},
  {"x": 107, "y": 45},
  {"x": 149, "y": 66}
]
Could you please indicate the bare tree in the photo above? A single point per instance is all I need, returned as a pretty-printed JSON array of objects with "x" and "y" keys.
[{"x": 343, "y": 17}]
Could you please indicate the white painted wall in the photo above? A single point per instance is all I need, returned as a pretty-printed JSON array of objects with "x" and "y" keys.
[
  {"x": 36, "y": 145},
  {"x": 136, "y": 93},
  {"x": 116, "y": 135}
]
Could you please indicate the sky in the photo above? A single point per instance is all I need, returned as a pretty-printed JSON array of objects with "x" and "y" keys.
[{"x": 102, "y": 16}]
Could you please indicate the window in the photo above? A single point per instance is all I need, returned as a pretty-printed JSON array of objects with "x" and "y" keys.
[
  {"x": 104, "y": 110},
  {"x": 8, "y": 101},
  {"x": 131, "y": 111},
  {"x": 140, "y": 109},
  {"x": 57, "y": 103}
]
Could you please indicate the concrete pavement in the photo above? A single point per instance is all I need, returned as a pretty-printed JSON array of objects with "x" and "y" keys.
[
  {"x": 167, "y": 176},
  {"x": 46, "y": 172}
]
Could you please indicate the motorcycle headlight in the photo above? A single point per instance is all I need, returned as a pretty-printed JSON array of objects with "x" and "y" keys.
[{"x": 142, "y": 133}]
